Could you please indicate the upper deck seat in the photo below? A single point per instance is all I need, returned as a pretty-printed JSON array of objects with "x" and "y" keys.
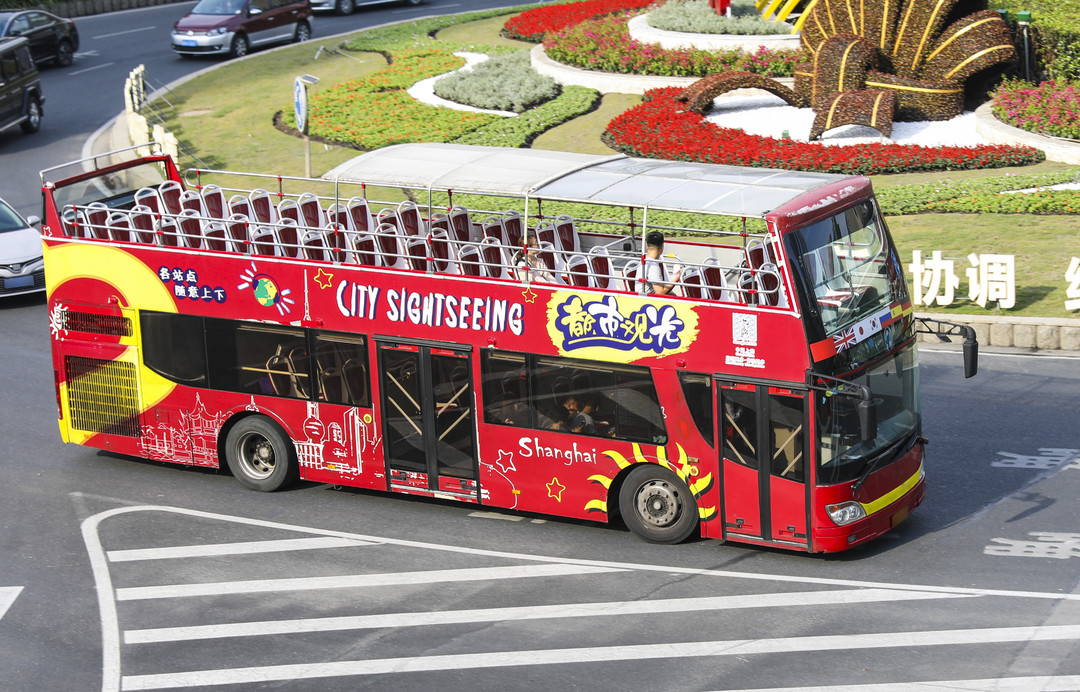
[
  {"x": 418, "y": 249},
  {"x": 262, "y": 206},
  {"x": 469, "y": 260},
  {"x": 363, "y": 249},
  {"x": 440, "y": 249},
  {"x": 412, "y": 224},
  {"x": 566, "y": 233},
  {"x": 768, "y": 284},
  {"x": 337, "y": 241},
  {"x": 311, "y": 211},
  {"x": 338, "y": 213},
  {"x": 390, "y": 245},
  {"x": 601, "y": 271},
  {"x": 547, "y": 256},
  {"x": 191, "y": 199},
  {"x": 236, "y": 226},
  {"x": 142, "y": 224},
  {"x": 119, "y": 226},
  {"x": 264, "y": 240},
  {"x": 513, "y": 229},
  {"x": 169, "y": 232},
  {"x": 239, "y": 204},
  {"x": 214, "y": 201},
  {"x": 148, "y": 197},
  {"x": 191, "y": 231},
  {"x": 169, "y": 193},
  {"x": 493, "y": 259},
  {"x": 630, "y": 275},
  {"x": 215, "y": 237},
  {"x": 314, "y": 245},
  {"x": 288, "y": 235},
  {"x": 692, "y": 284},
  {"x": 577, "y": 268},
  {"x": 715, "y": 281},
  {"x": 492, "y": 227},
  {"x": 360, "y": 213},
  {"x": 461, "y": 225},
  {"x": 95, "y": 216}
]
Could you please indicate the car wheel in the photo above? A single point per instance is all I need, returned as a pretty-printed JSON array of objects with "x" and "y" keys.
[
  {"x": 259, "y": 454},
  {"x": 344, "y": 6},
  {"x": 33, "y": 116},
  {"x": 239, "y": 47},
  {"x": 656, "y": 505},
  {"x": 64, "y": 54},
  {"x": 303, "y": 32}
]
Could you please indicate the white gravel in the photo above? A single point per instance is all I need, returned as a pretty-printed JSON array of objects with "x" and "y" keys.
[{"x": 769, "y": 116}]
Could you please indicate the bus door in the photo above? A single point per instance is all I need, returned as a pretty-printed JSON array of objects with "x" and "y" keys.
[
  {"x": 429, "y": 420},
  {"x": 763, "y": 432}
]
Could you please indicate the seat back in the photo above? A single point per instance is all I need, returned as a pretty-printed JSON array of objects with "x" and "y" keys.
[
  {"x": 191, "y": 199},
  {"x": 768, "y": 285},
  {"x": 148, "y": 197},
  {"x": 190, "y": 228},
  {"x": 360, "y": 213},
  {"x": 169, "y": 232},
  {"x": 417, "y": 247},
  {"x": 469, "y": 260},
  {"x": 338, "y": 213},
  {"x": 692, "y": 284},
  {"x": 600, "y": 267},
  {"x": 72, "y": 223},
  {"x": 439, "y": 246},
  {"x": 142, "y": 224},
  {"x": 314, "y": 245},
  {"x": 119, "y": 227},
  {"x": 288, "y": 235},
  {"x": 547, "y": 257},
  {"x": 492, "y": 228},
  {"x": 460, "y": 224},
  {"x": 630, "y": 275},
  {"x": 236, "y": 228},
  {"x": 262, "y": 206},
  {"x": 755, "y": 254},
  {"x": 287, "y": 208},
  {"x": 95, "y": 218},
  {"x": 311, "y": 211},
  {"x": 363, "y": 250},
  {"x": 337, "y": 241},
  {"x": 214, "y": 202},
  {"x": 238, "y": 204},
  {"x": 748, "y": 288},
  {"x": 513, "y": 229},
  {"x": 714, "y": 281},
  {"x": 493, "y": 259},
  {"x": 388, "y": 238},
  {"x": 577, "y": 267},
  {"x": 264, "y": 240},
  {"x": 169, "y": 193},
  {"x": 411, "y": 222},
  {"x": 566, "y": 234},
  {"x": 215, "y": 237}
]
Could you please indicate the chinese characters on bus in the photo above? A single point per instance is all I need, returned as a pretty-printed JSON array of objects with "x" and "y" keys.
[{"x": 991, "y": 278}]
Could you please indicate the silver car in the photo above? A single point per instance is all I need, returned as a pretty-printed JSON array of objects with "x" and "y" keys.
[{"x": 22, "y": 266}]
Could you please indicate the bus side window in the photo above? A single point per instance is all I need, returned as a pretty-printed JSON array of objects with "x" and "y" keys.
[
  {"x": 172, "y": 346},
  {"x": 505, "y": 396},
  {"x": 785, "y": 431},
  {"x": 698, "y": 392},
  {"x": 257, "y": 359},
  {"x": 740, "y": 426},
  {"x": 341, "y": 371}
]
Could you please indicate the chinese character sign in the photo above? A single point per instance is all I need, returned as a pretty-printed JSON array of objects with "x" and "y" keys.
[
  {"x": 931, "y": 277},
  {"x": 992, "y": 277}
]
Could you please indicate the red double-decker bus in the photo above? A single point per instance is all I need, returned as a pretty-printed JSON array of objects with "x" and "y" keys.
[{"x": 504, "y": 328}]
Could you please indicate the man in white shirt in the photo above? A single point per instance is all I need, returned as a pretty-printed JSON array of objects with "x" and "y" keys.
[{"x": 656, "y": 279}]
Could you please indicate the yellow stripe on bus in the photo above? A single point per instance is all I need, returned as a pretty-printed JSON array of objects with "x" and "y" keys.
[{"x": 894, "y": 495}]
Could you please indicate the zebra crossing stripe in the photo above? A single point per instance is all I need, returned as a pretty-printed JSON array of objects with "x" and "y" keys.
[
  {"x": 598, "y": 654},
  {"x": 220, "y": 549},
  {"x": 562, "y": 610},
  {"x": 8, "y": 594},
  {"x": 1042, "y": 683},
  {"x": 356, "y": 581}
]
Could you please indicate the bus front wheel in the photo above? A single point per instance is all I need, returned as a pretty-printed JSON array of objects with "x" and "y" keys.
[
  {"x": 657, "y": 505},
  {"x": 259, "y": 455}
]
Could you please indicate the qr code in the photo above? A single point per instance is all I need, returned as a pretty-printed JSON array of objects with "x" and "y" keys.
[{"x": 744, "y": 329}]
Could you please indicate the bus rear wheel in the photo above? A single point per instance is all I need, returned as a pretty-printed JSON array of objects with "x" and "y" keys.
[
  {"x": 259, "y": 455},
  {"x": 656, "y": 505}
]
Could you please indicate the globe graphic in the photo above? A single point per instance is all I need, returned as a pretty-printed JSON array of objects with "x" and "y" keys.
[{"x": 266, "y": 291}]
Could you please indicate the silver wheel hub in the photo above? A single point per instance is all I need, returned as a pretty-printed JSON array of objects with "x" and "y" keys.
[{"x": 658, "y": 503}]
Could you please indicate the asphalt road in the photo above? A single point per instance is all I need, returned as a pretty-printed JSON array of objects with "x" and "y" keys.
[{"x": 117, "y": 573}]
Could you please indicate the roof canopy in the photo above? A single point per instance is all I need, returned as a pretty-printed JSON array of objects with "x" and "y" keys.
[{"x": 615, "y": 179}]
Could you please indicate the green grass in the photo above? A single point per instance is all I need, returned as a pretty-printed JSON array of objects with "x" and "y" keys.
[{"x": 232, "y": 128}]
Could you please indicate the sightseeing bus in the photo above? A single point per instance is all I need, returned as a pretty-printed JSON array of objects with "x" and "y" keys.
[{"x": 495, "y": 326}]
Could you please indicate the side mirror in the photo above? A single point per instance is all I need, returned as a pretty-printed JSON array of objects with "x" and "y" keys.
[
  {"x": 867, "y": 415},
  {"x": 252, "y": 11},
  {"x": 971, "y": 355},
  {"x": 33, "y": 220}
]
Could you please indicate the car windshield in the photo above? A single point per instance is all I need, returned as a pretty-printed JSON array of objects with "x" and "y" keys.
[
  {"x": 226, "y": 7},
  {"x": 9, "y": 220}
]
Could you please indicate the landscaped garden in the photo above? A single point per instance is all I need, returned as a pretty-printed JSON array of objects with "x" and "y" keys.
[{"x": 362, "y": 103}]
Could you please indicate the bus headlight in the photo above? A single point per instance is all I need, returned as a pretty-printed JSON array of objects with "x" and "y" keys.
[{"x": 844, "y": 513}]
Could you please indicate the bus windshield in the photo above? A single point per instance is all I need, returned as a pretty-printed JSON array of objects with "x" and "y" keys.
[
  {"x": 895, "y": 384},
  {"x": 848, "y": 265},
  {"x": 115, "y": 190}
]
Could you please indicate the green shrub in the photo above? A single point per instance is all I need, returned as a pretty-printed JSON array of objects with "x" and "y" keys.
[
  {"x": 983, "y": 194},
  {"x": 505, "y": 83},
  {"x": 696, "y": 17}
]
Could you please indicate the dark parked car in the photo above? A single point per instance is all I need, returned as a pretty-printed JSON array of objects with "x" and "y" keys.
[
  {"x": 20, "y": 87},
  {"x": 51, "y": 38},
  {"x": 232, "y": 27}
]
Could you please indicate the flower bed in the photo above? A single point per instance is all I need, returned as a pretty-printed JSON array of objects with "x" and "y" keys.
[
  {"x": 660, "y": 128},
  {"x": 1049, "y": 109},
  {"x": 605, "y": 44},
  {"x": 533, "y": 24}
]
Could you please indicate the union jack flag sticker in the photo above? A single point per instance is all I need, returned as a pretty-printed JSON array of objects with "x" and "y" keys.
[{"x": 845, "y": 339}]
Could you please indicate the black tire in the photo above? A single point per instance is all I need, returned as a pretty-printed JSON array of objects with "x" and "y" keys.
[
  {"x": 656, "y": 505},
  {"x": 344, "y": 7},
  {"x": 239, "y": 47},
  {"x": 303, "y": 32},
  {"x": 65, "y": 54},
  {"x": 33, "y": 116},
  {"x": 259, "y": 455}
]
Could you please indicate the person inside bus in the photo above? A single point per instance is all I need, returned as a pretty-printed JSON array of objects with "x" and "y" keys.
[
  {"x": 529, "y": 265},
  {"x": 656, "y": 278},
  {"x": 557, "y": 418}
]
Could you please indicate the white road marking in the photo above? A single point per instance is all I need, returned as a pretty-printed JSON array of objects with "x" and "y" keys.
[
  {"x": 90, "y": 69},
  {"x": 1042, "y": 683},
  {"x": 349, "y": 581},
  {"x": 8, "y": 594},
  {"x": 597, "y": 654},
  {"x": 562, "y": 610},
  {"x": 246, "y": 548},
  {"x": 121, "y": 33}
]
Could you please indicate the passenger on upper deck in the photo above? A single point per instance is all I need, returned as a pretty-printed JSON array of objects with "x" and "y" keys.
[
  {"x": 528, "y": 260},
  {"x": 656, "y": 279}
]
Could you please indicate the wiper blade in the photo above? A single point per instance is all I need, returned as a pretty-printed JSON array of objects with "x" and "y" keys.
[{"x": 891, "y": 453}]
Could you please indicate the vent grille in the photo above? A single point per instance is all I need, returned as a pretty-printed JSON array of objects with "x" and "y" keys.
[
  {"x": 111, "y": 325},
  {"x": 103, "y": 396}
]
